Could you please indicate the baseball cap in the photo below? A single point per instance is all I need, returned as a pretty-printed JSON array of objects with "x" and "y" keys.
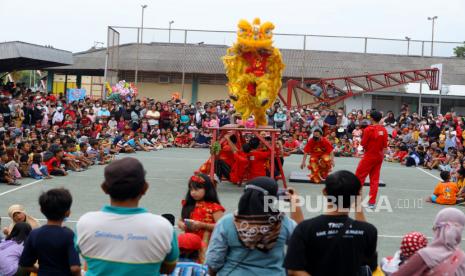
[
  {"x": 124, "y": 178},
  {"x": 190, "y": 242}
]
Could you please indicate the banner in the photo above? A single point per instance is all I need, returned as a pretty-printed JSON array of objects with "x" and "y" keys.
[{"x": 75, "y": 94}]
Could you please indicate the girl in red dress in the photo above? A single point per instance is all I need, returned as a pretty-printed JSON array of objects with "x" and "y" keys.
[{"x": 201, "y": 208}]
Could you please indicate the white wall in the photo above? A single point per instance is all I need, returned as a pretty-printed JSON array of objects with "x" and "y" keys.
[{"x": 358, "y": 102}]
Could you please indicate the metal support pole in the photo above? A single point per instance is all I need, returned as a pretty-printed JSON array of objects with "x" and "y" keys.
[
  {"x": 137, "y": 57},
  {"x": 303, "y": 59},
  {"x": 366, "y": 44},
  {"x": 432, "y": 38},
  {"x": 420, "y": 109},
  {"x": 105, "y": 73},
  {"x": 184, "y": 65},
  {"x": 440, "y": 100},
  {"x": 422, "y": 48},
  {"x": 105, "y": 92},
  {"x": 408, "y": 47}
]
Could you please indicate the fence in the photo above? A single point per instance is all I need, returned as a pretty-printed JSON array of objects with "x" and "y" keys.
[{"x": 118, "y": 35}]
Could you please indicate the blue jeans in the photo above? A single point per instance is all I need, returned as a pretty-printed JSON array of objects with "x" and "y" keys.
[{"x": 43, "y": 170}]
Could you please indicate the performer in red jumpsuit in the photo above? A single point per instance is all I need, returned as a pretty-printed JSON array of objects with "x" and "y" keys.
[
  {"x": 321, "y": 158},
  {"x": 374, "y": 141}
]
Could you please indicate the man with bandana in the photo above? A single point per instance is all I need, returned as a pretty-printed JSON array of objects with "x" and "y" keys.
[{"x": 321, "y": 157}]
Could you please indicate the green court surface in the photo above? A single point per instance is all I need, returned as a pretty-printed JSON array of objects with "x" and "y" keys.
[{"x": 168, "y": 171}]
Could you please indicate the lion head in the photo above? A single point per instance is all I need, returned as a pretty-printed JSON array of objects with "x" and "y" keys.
[{"x": 255, "y": 35}]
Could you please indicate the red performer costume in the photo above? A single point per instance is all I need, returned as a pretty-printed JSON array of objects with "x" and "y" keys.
[
  {"x": 321, "y": 159},
  {"x": 374, "y": 141}
]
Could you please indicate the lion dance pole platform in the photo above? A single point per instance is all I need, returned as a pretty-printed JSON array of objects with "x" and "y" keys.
[{"x": 219, "y": 133}]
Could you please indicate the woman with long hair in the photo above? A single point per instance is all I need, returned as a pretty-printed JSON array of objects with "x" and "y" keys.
[{"x": 12, "y": 248}]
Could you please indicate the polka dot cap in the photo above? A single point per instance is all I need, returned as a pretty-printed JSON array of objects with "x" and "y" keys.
[{"x": 411, "y": 243}]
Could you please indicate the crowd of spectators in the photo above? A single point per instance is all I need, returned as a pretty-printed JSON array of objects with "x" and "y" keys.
[
  {"x": 257, "y": 239},
  {"x": 42, "y": 135}
]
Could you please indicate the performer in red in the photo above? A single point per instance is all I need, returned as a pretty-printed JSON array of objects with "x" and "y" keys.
[
  {"x": 321, "y": 157},
  {"x": 374, "y": 141}
]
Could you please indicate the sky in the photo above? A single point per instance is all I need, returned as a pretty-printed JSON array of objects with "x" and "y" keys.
[{"x": 75, "y": 25}]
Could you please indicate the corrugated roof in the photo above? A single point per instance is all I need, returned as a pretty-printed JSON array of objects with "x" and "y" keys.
[
  {"x": 206, "y": 59},
  {"x": 17, "y": 55}
]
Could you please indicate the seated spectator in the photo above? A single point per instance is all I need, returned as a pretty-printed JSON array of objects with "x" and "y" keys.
[
  {"x": 17, "y": 214},
  {"x": 410, "y": 244},
  {"x": 102, "y": 235},
  {"x": 445, "y": 192},
  {"x": 38, "y": 169},
  {"x": 5, "y": 176},
  {"x": 332, "y": 243},
  {"x": 52, "y": 244},
  {"x": 237, "y": 248},
  {"x": 291, "y": 145},
  {"x": 54, "y": 164},
  {"x": 443, "y": 255},
  {"x": 189, "y": 253},
  {"x": 12, "y": 248},
  {"x": 201, "y": 209}
]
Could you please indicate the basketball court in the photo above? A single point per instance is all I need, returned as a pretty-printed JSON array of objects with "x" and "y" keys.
[{"x": 168, "y": 171}]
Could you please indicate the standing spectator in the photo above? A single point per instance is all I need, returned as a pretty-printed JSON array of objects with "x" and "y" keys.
[
  {"x": 443, "y": 255},
  {"x": 102, "y": 235},
  {"x": 52, "y": 244},
  {"x": 5, "y": 110},
  {"x": 153, "y": 116},
  {"x": 324, "y": 245},
  {"x": 237, "y": 246},
  {"x": 280, "y": 119}
]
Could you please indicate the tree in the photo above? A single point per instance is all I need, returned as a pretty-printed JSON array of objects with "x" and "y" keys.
[{"x": 459, "y": 51}]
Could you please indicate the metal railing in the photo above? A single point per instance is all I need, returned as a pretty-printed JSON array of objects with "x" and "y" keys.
[{"x": 295, "y": 41}]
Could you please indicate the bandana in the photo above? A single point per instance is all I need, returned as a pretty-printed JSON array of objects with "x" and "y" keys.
[
  {"x": 259, "y": 232},
  {"x": 411, "y": 243}
]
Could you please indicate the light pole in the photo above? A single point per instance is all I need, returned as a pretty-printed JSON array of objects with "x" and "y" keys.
[
  {"x": 142, "y": 24},
  {"x": 432, "y": 32},
  {"x": 408, "y": 44},
  {"x": 138, "y": 43},
  {"x": 169, "y": 31}
]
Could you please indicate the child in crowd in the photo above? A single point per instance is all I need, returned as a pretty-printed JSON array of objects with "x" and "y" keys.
[
  {"x": 190, "y": 246},
  {"x": 201, "y": 209},
  {"x": 124, "y": 146},
  {"x": 38, "y": 169},
  {"x": 445, "y": 192},
  {"x": 17, "y": 214},
  {"x": 5, "y": 176},
  {"x": 54, "y": 164},
  {"x": 52, "y": 245},
  {"x": 410, "y": 244}
]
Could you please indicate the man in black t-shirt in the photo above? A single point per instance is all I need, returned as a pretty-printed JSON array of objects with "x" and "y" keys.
[{"x": 319, "y": 247}]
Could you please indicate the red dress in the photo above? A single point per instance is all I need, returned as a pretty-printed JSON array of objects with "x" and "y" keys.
[{"x": 203, "y": 212}]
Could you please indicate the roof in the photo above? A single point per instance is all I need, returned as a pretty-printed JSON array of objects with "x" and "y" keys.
[
  {"x": 17, "y": 55},
  {"x": 206, "y": 59}
]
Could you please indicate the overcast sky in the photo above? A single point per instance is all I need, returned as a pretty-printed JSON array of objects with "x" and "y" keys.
[{"x": 74, "y": 25}]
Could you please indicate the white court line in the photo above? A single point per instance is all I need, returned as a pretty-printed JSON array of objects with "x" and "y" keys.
[
  {"x": 21, "y": 187},
  {"x": 430, "y": 174}
]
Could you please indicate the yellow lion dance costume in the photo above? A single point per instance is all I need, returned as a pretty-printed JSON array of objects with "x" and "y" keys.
[{"x": 254, "y": 69}]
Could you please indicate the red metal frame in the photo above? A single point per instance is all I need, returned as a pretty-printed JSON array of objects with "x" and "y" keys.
[
  {"x": 346, "y": 87},
  {"x": 218, "y": 134}
]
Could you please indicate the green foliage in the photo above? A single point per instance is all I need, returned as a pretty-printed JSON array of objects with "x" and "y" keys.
[{"x": 459, "y": 51}]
